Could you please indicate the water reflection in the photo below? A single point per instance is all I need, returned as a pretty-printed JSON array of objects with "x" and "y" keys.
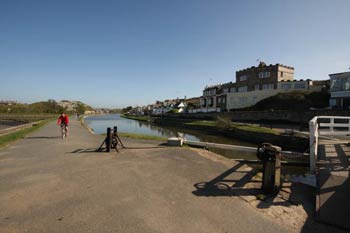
[{"x": 100, "y": 123}]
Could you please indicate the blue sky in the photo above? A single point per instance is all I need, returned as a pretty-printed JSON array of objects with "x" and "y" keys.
[{"x": 119, "y": 53}]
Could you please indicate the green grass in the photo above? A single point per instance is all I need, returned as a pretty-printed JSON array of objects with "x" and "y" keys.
[
  {"x": 232, "y": 125},
  {"x": 202, "y": 123},
  {"x": 11, "y": 137},
  {"x": 141, "y": 136},
  {"x": 26, "y": 117},
  {"x": 253, "y": 128},
  {"x": 138, "y": 118}
]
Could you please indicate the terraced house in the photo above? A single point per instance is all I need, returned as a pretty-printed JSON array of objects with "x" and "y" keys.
[
  {"x": 340, "y": 90},
  {"x": 253, "y": 85}
]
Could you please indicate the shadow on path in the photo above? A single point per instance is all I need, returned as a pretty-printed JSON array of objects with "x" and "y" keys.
[
  {"x": 229, "y": 183},
  {"x": 242, "y": 182}
]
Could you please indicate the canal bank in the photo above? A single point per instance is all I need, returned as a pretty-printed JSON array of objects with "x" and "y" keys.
[{"x": 227, "y": 129}]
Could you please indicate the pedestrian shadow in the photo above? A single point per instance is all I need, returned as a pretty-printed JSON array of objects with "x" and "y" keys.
[
  {"x": 233, "y": 182},
  {"x": 43, "y": 137}
]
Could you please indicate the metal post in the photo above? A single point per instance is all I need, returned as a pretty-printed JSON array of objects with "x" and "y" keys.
[
  {"x": 108, "y": 139},
  {"x": 271, "y": 158},
  {"x": 115, "y": 130}
]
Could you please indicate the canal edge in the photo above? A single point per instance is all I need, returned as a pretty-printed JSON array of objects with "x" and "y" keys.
[{"x": 82, "y": 121}]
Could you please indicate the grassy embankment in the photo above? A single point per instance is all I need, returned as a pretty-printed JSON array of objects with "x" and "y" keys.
[
  {"x": 231, "y": 125},
  {"x": 11, "y": 137},
  {"x": 138, "y": 118},
  {"x": 219, "y": 123},
  {"x": 141, "y": 136},
  {"x": 26, "y": 118}
]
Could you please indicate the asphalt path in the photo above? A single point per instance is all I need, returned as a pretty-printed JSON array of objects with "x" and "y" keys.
[{"x": 52, "y": 185}]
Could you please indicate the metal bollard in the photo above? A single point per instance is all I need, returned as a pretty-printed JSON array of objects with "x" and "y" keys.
[
  {"x": 108, "y": 140},
  {"x": 271, "y": 158}
]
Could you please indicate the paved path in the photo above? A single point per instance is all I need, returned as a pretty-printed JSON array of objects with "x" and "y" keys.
[
  {"x": 333, "y": 197},
  {"x": 52, "y": 185}
]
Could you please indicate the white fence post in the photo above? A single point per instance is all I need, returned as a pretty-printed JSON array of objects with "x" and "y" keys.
[
  {"x": 313, "y": 144},
  {"x": 331, "y": 128}
]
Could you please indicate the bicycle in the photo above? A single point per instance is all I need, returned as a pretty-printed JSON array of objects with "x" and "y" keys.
[{"x": 64, "y": 130}]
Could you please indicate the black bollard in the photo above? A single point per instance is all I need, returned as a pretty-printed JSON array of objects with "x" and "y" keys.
[
  {"x": 271, "y": 158},
  {"x": 115, "y": 130},
  {"x": 108, "y": 139}
]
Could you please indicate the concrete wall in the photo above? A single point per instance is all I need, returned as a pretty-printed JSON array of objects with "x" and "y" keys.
[{"x": 246, "y": 99}]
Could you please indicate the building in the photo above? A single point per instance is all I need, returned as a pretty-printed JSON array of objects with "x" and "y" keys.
[
  {"x": 262, "y": 77},
  {"x": 237, "y": 100},
  {"x": 221, "y": 99},
  {"x": 253, "y": 85},
  {"x": 340, "y": 90},
  {"x": 208, "y": 101}
]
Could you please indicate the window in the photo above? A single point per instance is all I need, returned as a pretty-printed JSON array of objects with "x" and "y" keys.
[
  {"x": 265, "y": 74},
  {"x": 211, "y": 101},
  {"x": 281, "y": 74},
  {"x": 340, "y": 84},
  {"x": 286, "y": 86},
  {"x": 243, "y": 78},
  {"x": 243, "y": 89},
  {"x": 219, "y": 100},
  {"x": 257, "y": 87},
  {"x": 267, "y": 86},
  {"x": 300, "y": 86},
  {"x": 233, "y": 89},
  {"x": 223, "y": 100},
  {"x": 226, "y": 90}
]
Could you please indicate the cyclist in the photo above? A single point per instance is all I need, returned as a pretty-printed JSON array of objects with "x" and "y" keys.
[{"x": 63, "y": 121}]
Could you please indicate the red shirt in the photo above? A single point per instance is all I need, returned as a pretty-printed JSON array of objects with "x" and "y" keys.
[{"x": 63, "y": 120}]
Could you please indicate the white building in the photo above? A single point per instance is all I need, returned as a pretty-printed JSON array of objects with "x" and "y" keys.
[
  {"x": 236, "y": 100},
  {"x": 340, "y": 90}
]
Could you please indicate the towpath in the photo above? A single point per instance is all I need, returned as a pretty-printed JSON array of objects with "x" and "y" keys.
[{"x": 52, "y": 185}]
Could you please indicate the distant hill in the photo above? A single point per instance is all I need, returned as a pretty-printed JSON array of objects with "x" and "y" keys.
[
  {"x": 294, "y": 101},
  {"x": 74, "y": 106},
  {"x": 50, "y": 106}
]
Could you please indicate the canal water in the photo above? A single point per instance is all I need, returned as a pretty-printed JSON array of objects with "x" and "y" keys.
[{"x": 99, "y": 124}]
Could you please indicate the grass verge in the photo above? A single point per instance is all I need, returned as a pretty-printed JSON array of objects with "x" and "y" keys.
[
  {"x": 26, "y": 117},
  {"x": 138, "y": 118},
  {"x": 253, "y": 128},
  {"x": 11, "y": 137},
  {"x": 202, "y": 123},
  {"x": 244, "y": 127},
  {"x": 141, "y": 136}
]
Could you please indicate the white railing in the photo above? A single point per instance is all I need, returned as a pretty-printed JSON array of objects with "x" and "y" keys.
[{"x": 331, "y": 128}]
